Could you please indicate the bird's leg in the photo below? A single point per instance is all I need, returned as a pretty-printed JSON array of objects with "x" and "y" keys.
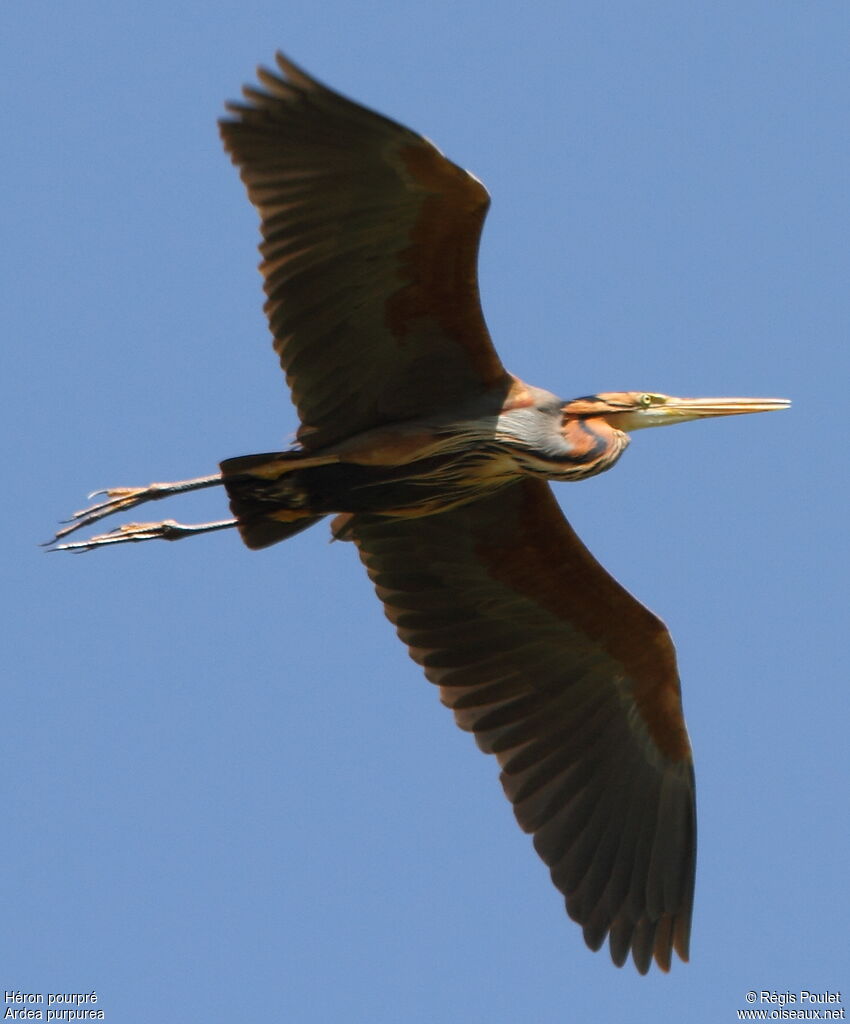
[{"x": 121, "y": 499}]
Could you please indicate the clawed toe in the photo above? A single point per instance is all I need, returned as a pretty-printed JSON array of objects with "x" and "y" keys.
[{"x": 119, "y": 499}]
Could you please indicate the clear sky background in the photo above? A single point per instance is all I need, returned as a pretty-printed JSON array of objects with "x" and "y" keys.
[{"x": 227, "y": 793}]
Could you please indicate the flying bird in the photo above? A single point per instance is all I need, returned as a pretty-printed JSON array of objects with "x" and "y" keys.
[{"x": 435, "y": 462}]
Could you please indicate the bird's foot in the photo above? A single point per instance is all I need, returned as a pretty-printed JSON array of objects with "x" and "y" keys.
[{"x": 168, "y": 529}]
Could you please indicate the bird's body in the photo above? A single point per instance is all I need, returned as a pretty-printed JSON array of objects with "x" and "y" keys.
[
  {"x": 435, "y": 461},
  {"x": 422, "y": 466}
]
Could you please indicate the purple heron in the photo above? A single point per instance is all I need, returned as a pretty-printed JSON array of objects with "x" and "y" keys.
[{"x": 435, "y": 461}]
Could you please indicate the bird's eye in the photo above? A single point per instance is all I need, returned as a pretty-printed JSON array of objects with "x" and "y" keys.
[{"x": 645, "y": 400}]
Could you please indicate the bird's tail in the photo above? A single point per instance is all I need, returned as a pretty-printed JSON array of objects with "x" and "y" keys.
[
  {"x": 279, "y": 494},
  {"x": 265, "y": 497}
]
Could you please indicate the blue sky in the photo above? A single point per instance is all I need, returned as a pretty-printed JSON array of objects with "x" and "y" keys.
[{"x": 228, "y": 794}]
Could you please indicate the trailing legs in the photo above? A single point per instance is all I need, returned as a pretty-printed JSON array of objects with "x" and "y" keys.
[{"x": 122, "y": 499}]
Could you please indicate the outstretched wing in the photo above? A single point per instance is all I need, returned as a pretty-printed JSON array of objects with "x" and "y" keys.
[
  {"x": 573, "y": 685},
  {"x": 370, "y": 243}
]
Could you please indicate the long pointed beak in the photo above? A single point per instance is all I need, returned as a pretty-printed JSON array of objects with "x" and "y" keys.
[
  {"x": 697, "y": 408},
  {"x": 679, "y": 410}
]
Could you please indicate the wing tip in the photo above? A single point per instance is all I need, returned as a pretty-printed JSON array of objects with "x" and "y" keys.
[
  {"x": 292, "y": 71},
  {"x": 280, "y": 85},
  {"x": 646, "y": 940}
]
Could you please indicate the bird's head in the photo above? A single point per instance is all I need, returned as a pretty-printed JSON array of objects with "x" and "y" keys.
[{"x": 633, "y": 410}]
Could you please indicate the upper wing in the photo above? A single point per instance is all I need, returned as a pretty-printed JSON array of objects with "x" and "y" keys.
[
  {"x": 369, "y": 257},
  {"x": 573, "y": 685}
]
